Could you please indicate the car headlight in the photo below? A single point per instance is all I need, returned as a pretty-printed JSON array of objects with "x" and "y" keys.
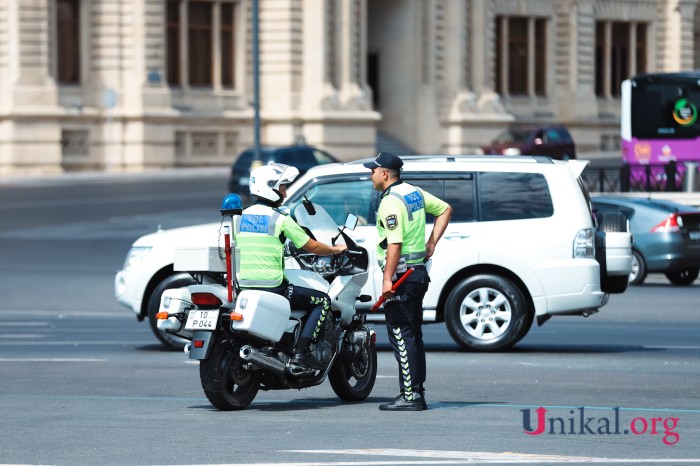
[{"x": 136, "y": 255}]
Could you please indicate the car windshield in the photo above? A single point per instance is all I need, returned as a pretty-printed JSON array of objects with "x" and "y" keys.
[
  {"x": 513, "y": 135},
  {"x": 246, "y": 158}
]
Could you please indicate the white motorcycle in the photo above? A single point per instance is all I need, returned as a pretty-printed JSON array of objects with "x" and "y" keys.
[{"x": 244, "y": 339}]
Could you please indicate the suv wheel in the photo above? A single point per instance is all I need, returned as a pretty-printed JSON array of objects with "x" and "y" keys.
[{"x": 486, "y": 313}]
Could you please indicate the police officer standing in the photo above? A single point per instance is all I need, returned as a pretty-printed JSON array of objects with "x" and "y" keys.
[
  {"x": 402, "y": 245},
  {"x": 261, "y": 234}
]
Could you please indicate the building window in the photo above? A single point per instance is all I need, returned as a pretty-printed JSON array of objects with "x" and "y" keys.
[
  {"x": 173, "y": 43},
  {"x": 68, "y": 41},
  {"x": 620, "y": 52},
  {"x": 227, "y": 45},
  {"x": 201, "y": 43},
  {"x": 521, "y": 46}
]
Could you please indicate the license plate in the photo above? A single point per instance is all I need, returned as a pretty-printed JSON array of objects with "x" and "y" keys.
[
  {"x": 694, "y": 235},
  {"x": 202, "y": 320}
]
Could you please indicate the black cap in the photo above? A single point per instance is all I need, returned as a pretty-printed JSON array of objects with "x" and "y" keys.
[{"x": 385, "y": 160}]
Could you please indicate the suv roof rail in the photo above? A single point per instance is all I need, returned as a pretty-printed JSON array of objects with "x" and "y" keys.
[{"x": 462, "y": 158}]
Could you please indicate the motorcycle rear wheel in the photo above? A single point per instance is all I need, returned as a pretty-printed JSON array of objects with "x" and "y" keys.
[
  {"x": 227, "y": 385},
  {"x": 352, "y": 377}
]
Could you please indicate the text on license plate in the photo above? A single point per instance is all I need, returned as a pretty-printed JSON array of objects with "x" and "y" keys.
[
  {"x": 202, "y": 320},
  {"x": 694, "y": 235}
]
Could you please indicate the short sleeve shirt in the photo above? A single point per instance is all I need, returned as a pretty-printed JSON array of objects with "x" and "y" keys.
[
  {"x": 403, "y": 221},
  {"x": 294, "y": 232}
]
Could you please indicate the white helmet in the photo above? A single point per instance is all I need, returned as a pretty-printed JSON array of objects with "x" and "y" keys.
[{"x": 266, "y": 180}]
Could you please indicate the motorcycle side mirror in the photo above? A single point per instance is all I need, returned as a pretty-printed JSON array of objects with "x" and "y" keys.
[{"x": 350, "y": 222}]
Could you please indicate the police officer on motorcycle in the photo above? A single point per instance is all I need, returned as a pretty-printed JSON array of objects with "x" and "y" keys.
[
  {"x": 261, "y": 234},
  {"x": 402, "y": 245}
]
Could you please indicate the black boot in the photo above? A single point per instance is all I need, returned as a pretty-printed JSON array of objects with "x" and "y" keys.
[{"x": 303, "y": 357}]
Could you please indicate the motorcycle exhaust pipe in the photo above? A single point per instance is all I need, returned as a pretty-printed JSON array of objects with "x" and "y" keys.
[{"x": 248, "y": 353}]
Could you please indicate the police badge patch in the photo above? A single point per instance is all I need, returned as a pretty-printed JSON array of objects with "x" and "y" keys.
[{"x": 391, "y": 222}]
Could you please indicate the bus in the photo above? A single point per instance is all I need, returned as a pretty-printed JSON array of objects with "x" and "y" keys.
[
  {"x": 659, "y": 118},
  {"x": 659, "y": 126}
]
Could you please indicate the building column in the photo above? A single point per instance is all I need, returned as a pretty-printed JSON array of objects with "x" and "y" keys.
[
  {"x": 531, "y": 57},
  {"x": 351, "y": 53},
  {"x": 474, "y": 113},
  {"x": 334, "y": 109},
  {"x": 504, "y": 56},
  {"x": 632, "y": 64},
  {"x": 607, "y": 58},
  {"x": 317, "y": 91},
  {"x": 30, "y": 138}
]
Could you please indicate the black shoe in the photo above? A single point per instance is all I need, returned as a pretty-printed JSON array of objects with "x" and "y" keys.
[
  {"x": 421, "y": 399},
  {"x": 402, "y": 404},
  {"x": 306, "y": 360}
]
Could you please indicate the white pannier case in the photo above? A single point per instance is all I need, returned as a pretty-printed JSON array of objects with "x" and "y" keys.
[{"x": 265, "y": 314}]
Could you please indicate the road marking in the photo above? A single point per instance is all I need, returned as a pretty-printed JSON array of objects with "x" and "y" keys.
[
  {"x": 51, "y": 360},
  {"x": 75, "y": 343},
  {"x": 455, "y": 457},
  {"x": 671, "y": 347},
  {"x": 62, "y": 314},
  {"x": 24, "y": 324},
  {"x": 20, "y": 335},
  {"x": 472, "y": 457}
]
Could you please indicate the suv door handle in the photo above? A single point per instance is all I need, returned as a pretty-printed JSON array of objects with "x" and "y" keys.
[{"x": 456, "y": 236}]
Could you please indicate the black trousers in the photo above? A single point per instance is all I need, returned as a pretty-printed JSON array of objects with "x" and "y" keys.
[
  {"x": 404, "y": 321},
  {"x": 306, "y": 299}
]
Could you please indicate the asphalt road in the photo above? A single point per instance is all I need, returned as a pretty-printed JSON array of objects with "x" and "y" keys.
[{"x": 83, "y": 383}]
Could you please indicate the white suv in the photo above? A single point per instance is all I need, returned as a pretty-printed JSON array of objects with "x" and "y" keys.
[{"x": 522, "y": 244}]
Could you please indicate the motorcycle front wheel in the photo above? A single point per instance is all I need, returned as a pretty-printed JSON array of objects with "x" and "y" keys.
[
  {"x": 226, "y": 383},
  {"x": 353, "y": 375}
]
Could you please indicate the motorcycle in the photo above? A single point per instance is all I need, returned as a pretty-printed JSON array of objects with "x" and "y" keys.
[{"x": 244, "y": 339}]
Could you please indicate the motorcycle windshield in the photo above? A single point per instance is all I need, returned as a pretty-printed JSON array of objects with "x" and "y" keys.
[{"x": 315, "y": 218}]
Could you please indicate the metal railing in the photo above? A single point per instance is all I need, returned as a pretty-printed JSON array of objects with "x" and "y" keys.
[{"x": 670, "y": 177}]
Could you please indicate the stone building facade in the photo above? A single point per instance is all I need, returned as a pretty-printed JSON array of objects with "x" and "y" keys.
[{"x": 128, "y": 85}]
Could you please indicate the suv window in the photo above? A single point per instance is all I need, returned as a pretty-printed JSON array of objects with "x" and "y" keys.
[
  {"x": 458, "y": 192},
  {"x": 514, "y": 196},
  {"x": 341, "y": 197}
]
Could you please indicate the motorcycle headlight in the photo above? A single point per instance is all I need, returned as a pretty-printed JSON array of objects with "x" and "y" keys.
[{"x": 136, "y": 255}]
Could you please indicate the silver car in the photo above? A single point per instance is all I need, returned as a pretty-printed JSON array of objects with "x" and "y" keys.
[{"x": 666, "y": 237}]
